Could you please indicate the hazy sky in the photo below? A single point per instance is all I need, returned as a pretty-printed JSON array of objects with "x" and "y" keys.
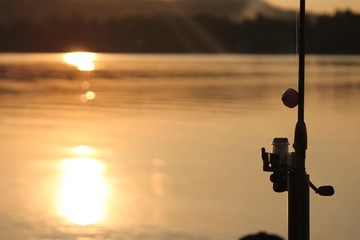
[{"x": 320, "y": 5}]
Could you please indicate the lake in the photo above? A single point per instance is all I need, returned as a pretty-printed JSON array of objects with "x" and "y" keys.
[{"x": 114, "y": 146}]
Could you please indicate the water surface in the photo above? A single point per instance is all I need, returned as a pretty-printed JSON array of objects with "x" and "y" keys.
[{"x": 168, "y": 146}]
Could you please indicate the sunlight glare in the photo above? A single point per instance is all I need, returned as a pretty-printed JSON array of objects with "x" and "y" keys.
[
  {"x": 84, "y": 190},
  {"x": 83, "y": 150},
  {"x": 88, "y": 96},
  {"x": 85, "y": 85},
  {"x": 84, "y": 61}
]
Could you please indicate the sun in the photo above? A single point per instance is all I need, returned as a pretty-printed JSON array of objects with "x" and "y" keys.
[{"x": 84, "y": 61}]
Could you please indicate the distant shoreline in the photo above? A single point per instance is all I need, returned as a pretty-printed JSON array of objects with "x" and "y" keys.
[{"x": 166, "y": 34}]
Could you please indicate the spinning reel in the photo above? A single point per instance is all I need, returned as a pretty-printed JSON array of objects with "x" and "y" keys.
[{"x": 280, "y": 162}]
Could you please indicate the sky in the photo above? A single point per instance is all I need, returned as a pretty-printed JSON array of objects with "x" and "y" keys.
[{"x": 322, "y": 6}]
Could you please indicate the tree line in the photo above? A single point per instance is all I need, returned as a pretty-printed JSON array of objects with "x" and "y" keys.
[{"x": 335, "y": 34}]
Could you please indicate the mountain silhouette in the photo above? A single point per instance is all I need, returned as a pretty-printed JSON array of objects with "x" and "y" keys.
[
  {"x": 104, "y": 9},
  {"x": 176, "y": 26}
]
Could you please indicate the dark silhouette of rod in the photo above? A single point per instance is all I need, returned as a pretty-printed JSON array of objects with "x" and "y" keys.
[
  {"x": 301, "y": 49},
  {"x": 298, "y": 179},
  {"x": 289, "y": 172}
]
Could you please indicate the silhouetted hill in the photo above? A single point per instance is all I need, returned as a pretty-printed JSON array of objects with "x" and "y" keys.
[
  {"x": 177, "y": 33},
  {"x": 338, "y": 34},
  {"x": 148, "y": 34},
  {"x": 104, "y": 9}
]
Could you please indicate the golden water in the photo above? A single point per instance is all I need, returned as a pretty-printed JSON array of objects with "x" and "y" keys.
[{"x": 118, "y": 146}]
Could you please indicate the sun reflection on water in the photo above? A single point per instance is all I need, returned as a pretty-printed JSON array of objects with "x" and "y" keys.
[
  {"x": 84, "y": 61},
  {"x": 88, "y": 96},
  {"x": 84, "y": 190}
]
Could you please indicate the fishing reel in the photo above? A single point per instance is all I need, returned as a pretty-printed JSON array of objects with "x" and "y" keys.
[{"x": 281, "y": 162}]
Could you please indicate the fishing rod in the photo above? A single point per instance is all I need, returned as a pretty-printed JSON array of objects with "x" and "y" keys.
[{"x": 288, "y": 168}]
